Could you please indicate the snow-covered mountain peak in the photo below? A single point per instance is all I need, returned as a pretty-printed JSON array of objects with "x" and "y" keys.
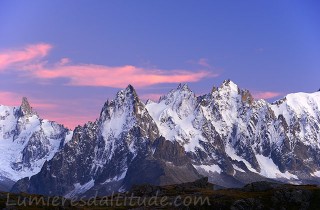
[
  {"x": 125, "y": 112},
  {"x": 180, "y": 100},
  {"x": 125, "y": 102},
  {"x": 229, "y": 83},
  {"x": 174, "y": 115},
  {"x": 228, "y": 88},
  {"x": 127, "y": 95},
  {"x": 182, "y": 92},
  {"x": 26, "y": 141}
]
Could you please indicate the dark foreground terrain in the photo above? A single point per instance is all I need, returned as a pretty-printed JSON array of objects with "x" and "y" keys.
[{"x": 193, "y": 195}]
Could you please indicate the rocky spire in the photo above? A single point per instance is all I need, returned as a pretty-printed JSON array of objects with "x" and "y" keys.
[
  {"x": 25, "y": 107},
  {"x": 183, "y": 87},
  {"x": 127, "y": 93},
  {"x": 124, "y": 99}
]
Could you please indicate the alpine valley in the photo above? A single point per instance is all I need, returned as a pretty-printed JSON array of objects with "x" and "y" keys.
[{"x": 225, "y": 135}]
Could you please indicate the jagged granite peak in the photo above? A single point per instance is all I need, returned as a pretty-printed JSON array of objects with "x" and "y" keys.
[
  {"x": 182, "y": 89},
  {"x": 246, "y": 96},
  {"x": 125, "y": 112},
  {"x": 183, "y": 86},
  {"x": 228, "y": 82},
  {"x": 26, "y": 141},
  {"x": 131, "y": 89},
  {"x": 174, "y": 116},
  {"x": 126, "y": 99},
  {"x": 128, "y": 93},
  {"x": 25, "y": 108}
]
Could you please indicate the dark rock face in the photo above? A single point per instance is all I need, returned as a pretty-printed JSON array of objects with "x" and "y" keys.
[
  {"x": 166, "y": 163},
  {"x": 170, "y": 152}
]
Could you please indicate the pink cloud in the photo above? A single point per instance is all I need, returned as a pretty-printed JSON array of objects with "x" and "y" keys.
[
  {"x": 9, "y": 99},
  {"x": 265, "y": 95},
  {"x": 29, "y": 59},
  {"x": 30, "y": 62},
  {"x": 25, "y": 55},
  {"x": 117, "y": 77}
]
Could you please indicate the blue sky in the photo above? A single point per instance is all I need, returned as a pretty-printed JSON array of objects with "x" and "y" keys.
[{"x": 269, "y": 47}]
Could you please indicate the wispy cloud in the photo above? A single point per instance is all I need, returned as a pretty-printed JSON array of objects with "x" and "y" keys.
[
  {"x": 204, "y": 62},
  {"x": 30, "y": 62},
  {"x": 64, "y": 61},
  {"x": 265, "y": 95},
  {"x": 22, "y": 56},
  {"x": 117, "y": 77},
  {"x": 91, "y": 74}
]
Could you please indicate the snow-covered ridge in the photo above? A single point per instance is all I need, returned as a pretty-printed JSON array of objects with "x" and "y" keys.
[
  {"x": 298, "y": 103},
  {"x": 223, "y": 133},
  {"x": 252, "y": 128}
]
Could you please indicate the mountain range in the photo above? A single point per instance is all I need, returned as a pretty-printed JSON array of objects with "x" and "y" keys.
[{"x": 226, "y": 135}]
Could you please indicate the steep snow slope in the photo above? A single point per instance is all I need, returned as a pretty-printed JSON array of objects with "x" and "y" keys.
[{"x": 301, "y": 112}]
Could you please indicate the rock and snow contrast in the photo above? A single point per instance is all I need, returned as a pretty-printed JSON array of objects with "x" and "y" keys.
[
  {"x": 226, "y": 135},
  {"x": 26, "y": 142}
]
